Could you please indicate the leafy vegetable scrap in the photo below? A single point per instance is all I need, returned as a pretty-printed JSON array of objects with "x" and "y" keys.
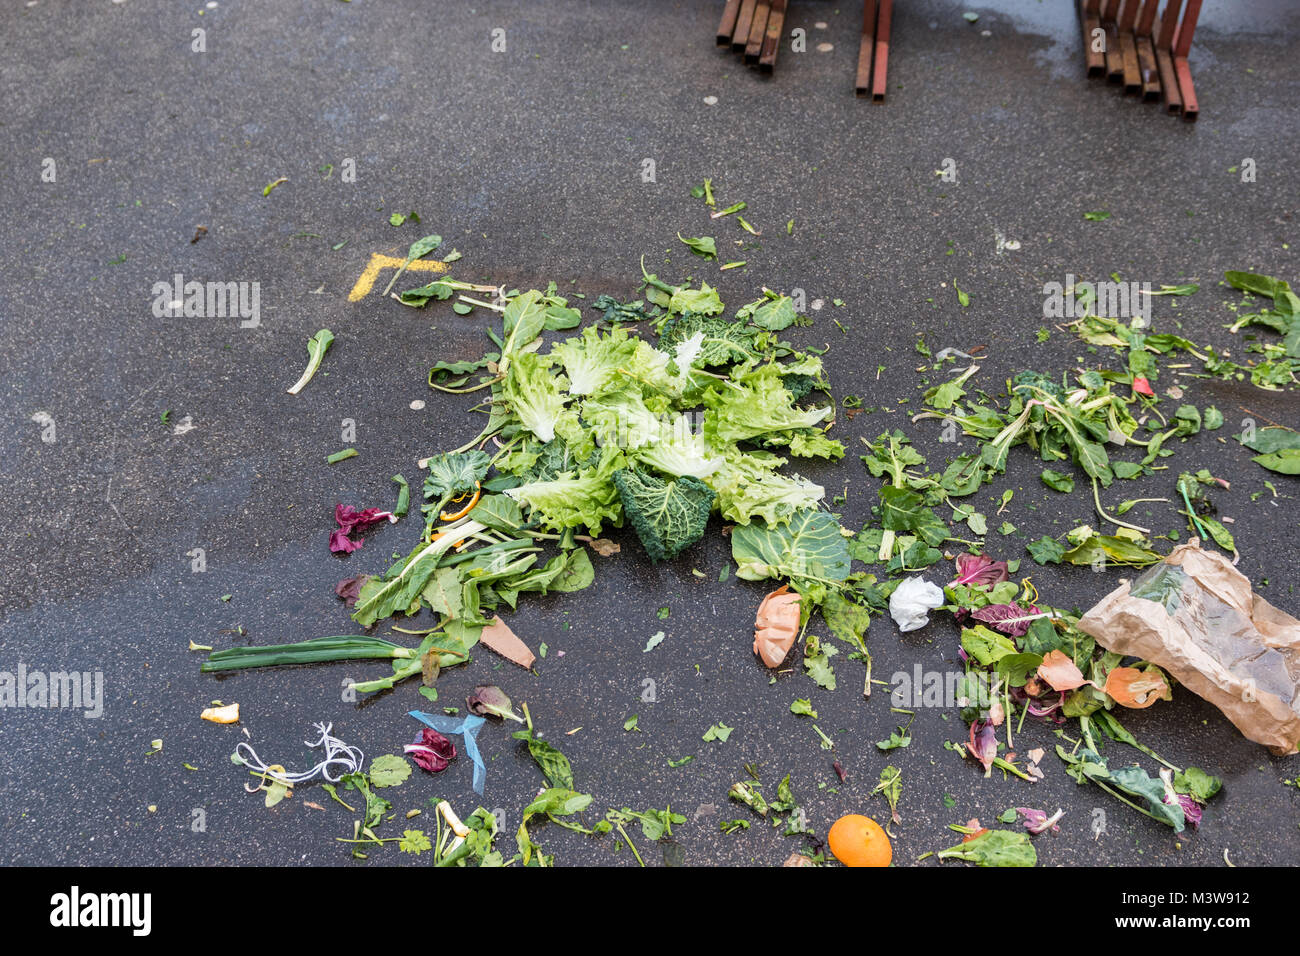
[
  {"x": 666, "y": 412},
  {"x": 317, "y": 346}
]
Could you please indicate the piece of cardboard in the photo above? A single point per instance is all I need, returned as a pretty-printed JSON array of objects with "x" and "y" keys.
[{"x": 498, "y": 637}]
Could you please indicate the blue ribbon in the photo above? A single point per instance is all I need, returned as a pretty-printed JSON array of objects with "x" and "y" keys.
[{"x": 467, "y": 727}]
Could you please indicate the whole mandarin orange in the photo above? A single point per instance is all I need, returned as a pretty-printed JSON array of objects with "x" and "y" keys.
[{"x": 859, "y": 841}]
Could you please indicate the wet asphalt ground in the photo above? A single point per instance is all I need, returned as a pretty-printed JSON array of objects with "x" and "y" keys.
[{"x": 529, "y": 161}]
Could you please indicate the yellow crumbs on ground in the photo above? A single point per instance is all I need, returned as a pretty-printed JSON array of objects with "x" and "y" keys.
[{"x": 379, "y": 262}]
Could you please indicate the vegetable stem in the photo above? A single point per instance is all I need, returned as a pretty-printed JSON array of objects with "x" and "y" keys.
[
  {"x": 1096, "y": 498},
  {"x": 631, "y": 845},
  {"x": 466, "y": 391},
  {"x": 480, "y": 303},
  {"x": 317, "y": 346},
  {"x": 318, "y": 650}
]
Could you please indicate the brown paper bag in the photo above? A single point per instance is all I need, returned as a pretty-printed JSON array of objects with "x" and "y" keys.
[{"x": 1196, "y": 616}]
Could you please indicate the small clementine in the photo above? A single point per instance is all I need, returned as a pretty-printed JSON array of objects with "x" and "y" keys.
[{"x": 859, "y": 841}]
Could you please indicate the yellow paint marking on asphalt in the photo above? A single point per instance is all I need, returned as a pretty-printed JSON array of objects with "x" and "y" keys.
[{"x": 378, "y": 262}]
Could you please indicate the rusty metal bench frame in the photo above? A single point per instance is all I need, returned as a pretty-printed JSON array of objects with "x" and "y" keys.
[
  {"x": 753, "y": 29},
  {"x": 1147, "y": 61},
  {"x": 873, "y": 49}
]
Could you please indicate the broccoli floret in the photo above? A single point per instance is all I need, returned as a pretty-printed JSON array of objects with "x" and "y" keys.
[{"x": 669, "y": 515}]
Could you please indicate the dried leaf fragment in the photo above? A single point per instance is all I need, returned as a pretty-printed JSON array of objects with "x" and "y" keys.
[
  {"x": 228, "y": 714},
  {"x": 605, "y": 547}
]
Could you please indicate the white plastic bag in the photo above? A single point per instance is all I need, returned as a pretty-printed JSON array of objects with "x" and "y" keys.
[{"x": 912, "y": 601}]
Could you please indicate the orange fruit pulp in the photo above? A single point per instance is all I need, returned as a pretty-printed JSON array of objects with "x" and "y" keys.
[{"x": 860, "y": 841}]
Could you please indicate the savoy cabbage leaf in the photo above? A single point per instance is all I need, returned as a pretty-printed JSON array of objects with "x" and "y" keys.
[
  {"x": 810, "y": 547},
  {"x": 724, "y": 342},
  {"x": 668, "y": 514},
  {"x": 454, "y": 474}
]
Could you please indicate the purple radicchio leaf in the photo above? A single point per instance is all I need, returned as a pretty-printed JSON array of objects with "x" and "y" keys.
[
  {"x": 984, "y": 744},
  {"x": 490, "y": 700},
  {"x": 1191, "y": 809},
  {"x": 1036, "y": 821},
  {"x": 432, "y": 752},
  {"x": 1038, "y": 710},
  {"x": 1008, "y": 618},
  {"x": 349, "y": 519},
  {"x": 1049, "y": 705},
  {"x": 980, "y": 569},
  {"x": 340, "y": 542},
  {"x": 349, "y": 589}
]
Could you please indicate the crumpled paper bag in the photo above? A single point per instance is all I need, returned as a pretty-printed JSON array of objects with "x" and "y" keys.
[{"x": 1196, "y": 616}]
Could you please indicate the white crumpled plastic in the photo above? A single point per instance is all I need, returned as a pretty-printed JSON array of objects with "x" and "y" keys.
[{"x": 912, "y": 601}]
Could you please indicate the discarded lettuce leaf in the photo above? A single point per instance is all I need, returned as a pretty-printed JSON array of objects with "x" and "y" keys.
[
  {"x": 809, "y": 545},
  {"x": 719, "y": 732},
  {"x": 1058, "y": 480},
  {"x": 994, "y": 848},
  {"x": 317, "y": 346},
  {"x": 1046, "y": 550},
  {"x": 704, "y": 246}
]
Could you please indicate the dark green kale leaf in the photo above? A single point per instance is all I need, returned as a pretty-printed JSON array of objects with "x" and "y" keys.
[{"x": 625, "y": 313}]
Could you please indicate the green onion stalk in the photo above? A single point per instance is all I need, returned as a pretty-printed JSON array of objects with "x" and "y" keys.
[
  {"x": 413, "y": 664},
  {"x": 350, "y": 647}
]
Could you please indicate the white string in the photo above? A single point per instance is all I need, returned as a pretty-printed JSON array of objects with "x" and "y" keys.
[{"x": 336, "y": 752}]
